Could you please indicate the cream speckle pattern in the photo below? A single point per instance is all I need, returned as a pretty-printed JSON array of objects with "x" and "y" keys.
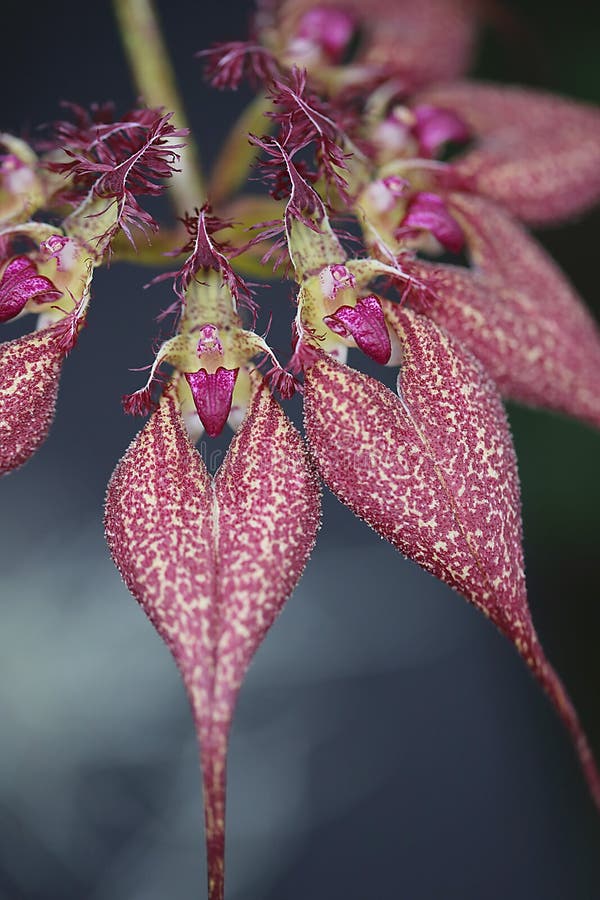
[
  {"x": 517, "y": 313},
  {"x": 29, "y": 375},
  {"x": 212, "y": 561},
  {"x": 433, "y": 471}
]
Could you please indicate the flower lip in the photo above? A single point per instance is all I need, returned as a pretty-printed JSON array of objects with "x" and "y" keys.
[
  {"x": 19, "y": 283},
  {"x": 213, "y": 395},
  {"x": 435, "y": 126},
  {"x": 427, "y": 212},
  {"x": 365, "y": 323}
]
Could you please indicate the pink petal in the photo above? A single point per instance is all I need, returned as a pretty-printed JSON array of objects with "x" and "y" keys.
[
  {"x": 29, "y": 374},
  {"x": 330, "y": 28},
  {"x": 365, "y": 322},
  {"x": 518, "y": 314},
  {"x": 428, "y": 211},
  {"x": 537, "y": 154},
  {"x": 19, "y": 283},
  {"x": 213, "y": 393},
  {"x": 212, "y": 563},
  {"x": 434, "y": 127},
  {"x": 434, "y": 472}
]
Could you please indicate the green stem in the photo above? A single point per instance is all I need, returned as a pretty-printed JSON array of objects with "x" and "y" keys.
[
  {"x": 237, "y": 154},
  {"x": 155, "y": 79}
]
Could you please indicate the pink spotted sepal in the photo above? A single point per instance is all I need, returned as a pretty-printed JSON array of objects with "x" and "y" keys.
[
  {"x": 29, "y": 375},
  {"x": 517, "y": 312},
  {"x": 433, "y": 470},
  {"x": 535, "y": 153},
  {"x": 212, "y": 561}
]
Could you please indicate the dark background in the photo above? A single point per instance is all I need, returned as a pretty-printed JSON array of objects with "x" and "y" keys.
[{"x": 388, "y": 743}]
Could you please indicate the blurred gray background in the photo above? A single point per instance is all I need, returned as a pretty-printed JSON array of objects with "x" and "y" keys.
[{"x": 388, "y": 743}]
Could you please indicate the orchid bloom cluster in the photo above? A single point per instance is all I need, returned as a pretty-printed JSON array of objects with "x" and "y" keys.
[{"x": 398, "y": 202}]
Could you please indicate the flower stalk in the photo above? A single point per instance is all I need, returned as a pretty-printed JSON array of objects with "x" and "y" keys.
[{"x": 155, "y": 79}]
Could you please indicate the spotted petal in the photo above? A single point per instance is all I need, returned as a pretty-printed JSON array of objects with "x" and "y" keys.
[
  {"x": 537, "y": 154},
  {"x": 212, "y": 561},
  {"x": 518, "y": 314},
  {"x": 433, "y": 470},
  {"x": 29, "y": 375}
]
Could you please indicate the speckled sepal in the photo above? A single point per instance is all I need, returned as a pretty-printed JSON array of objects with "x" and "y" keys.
[
  {"x": 29, "y": 375},
  {"x": 537, "y": 154},
  {"x": 433, "y": 471},
  {"x": 516, "y": 311},
  {"x": 212, "y": 561}
]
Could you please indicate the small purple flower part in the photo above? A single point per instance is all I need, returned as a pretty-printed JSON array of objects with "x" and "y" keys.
[
  {"x": 365, "y": 323},
  {"x": 212, "y": 393},
  {"x": 417, "y": 43},
  {"x": 283, "y": 381},
  {"x": 326, "y": 29},
  {"x": 434, "y": 127},
  {"x": 335, "y": 278},
  {"x": 212, "y": 385},
  {"x": 208, "y": 341},
  {"x": 19, "y": 283},
  {"x": 428, "y": 212}
]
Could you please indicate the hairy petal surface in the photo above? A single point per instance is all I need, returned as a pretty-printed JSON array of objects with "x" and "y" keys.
[
  {"x": 212, "y": 561},
  {"x": 517, "y": 312},
  {"x": 433, "y": 470},
  {"x": 29, "y": 375},
  {"x": 537, "y": 154}
]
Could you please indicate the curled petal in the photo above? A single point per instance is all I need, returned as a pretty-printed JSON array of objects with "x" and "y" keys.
[
  {"x": 212, "y": 562},
  {"x": 212, "y": 393},
  {"x": 518, "y": 314},
  {"x": 21, "y": 282},
  {"x": 435, "y": 127},
  {"x": 29, "y": 374},
  {"x": 433, "y": 470},
  {"x": 537, "y": 154},
  {"x": 365, "y": 322},
  {"x": 428, "y": 212}
]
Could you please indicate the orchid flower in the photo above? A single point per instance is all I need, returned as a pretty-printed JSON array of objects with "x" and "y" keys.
[{"x": 436, "y": 275}]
